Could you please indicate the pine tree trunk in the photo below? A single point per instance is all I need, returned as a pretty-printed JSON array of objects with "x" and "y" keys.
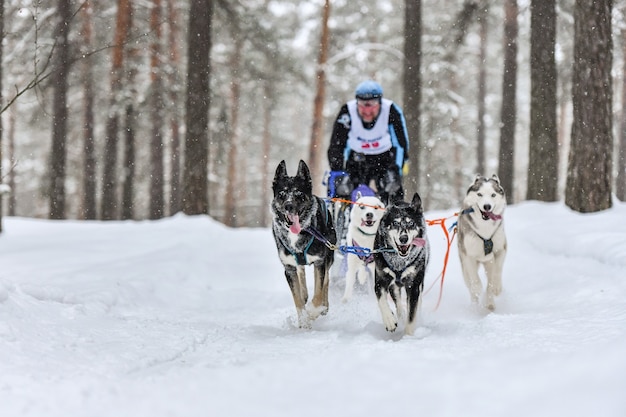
[
  {"x": 130, "y": 122},
  {"x": 175, "y": 156},
  {"x": 543, "y": 160},
  {"x": 58, "y": 154},
  {"x": 413, "y": 88},
  {"x": 11, "y": 156},
  {"x": 157, "y": 199},
  {"x": 233, "y": 180},
  {"x": 128, "y": 183},
  {"x": 195, "y": 195},
  {"x": 1, "y": 101},
  {"x": 589, "y": 175},
  {"x": 265, "y": 168},
  {"x": 315, "y": 146},
  {"x": 482, "y": 92},
  {"x": 109, "y": 202},
  {"x": 89, "y": 161},
  {"x": 506, "y": 160},
  {"x": 620, "y": 181}
]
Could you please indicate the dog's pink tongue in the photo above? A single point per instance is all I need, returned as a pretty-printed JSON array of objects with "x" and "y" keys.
[
  {"x": 295, "y": 223},
  {"x": 493, "y": 216},
  {"x": 419, "y": 242}
]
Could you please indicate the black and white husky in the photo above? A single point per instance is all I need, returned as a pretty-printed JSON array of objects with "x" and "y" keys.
[
  {"x": 365, "y": 217},
  {"x": 401, "y": 253},
  {"x": 481, "y": 238},
  {"x": 303, "y": 231}
]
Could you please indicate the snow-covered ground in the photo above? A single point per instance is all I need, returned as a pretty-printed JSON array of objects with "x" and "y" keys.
[{"x": 185, "y": 317}]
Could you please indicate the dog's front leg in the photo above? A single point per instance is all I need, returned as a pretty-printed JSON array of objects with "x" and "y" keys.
[
  {"x": 299, "y": 293},
  {"x": 304, "y": 291},
  {"x": 498, "y": 266},
  {"x": 350, "y": 277},
  {"x": 471, "y": 277},
  {"x": 493, "y": 270},
  {"x": 414, "y": 301},
  {"x": 320, "y": 296},
  {"x": 381, "y": 287}
]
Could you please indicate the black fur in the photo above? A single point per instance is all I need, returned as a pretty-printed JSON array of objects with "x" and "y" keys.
[
  {"x": 297, "y": 213},
  {"x": 401, "y": 254}
]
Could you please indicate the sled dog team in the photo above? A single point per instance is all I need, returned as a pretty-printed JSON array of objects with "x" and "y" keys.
[{"x": 388, "y": 242}]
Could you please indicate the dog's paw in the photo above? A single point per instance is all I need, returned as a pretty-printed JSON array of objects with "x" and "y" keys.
[
  {"x": 391, "y": 327},
  {"x": 304, "y": 319},
  {"x": 315, "y": 312},
  {"x": 489, "y": 302},
  {"x": 417, "y": 332},
  {"x": 390, "y": 322}
]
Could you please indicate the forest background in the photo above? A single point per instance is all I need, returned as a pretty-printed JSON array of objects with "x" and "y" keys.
[{"x": 142, "y": 109}]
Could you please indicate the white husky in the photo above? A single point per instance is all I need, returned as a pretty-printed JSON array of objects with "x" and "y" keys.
[
  {"x": 482, "y": 239},
  {"x": 364, "y": 221}
]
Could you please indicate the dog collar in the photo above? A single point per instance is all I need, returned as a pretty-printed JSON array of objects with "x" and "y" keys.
[{"x": 365, "y": 233}]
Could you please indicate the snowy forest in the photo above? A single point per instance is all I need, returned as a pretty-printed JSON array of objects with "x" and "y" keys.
[{"x": 143, "y": 109}]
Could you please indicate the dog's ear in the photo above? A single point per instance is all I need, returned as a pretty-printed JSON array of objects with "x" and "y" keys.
[
  {"x": 305, "y": 175},
  {"x": 498, "y": 185},
  {"x": 358, "y": 195},
  {"x": 416, "y": 203},
  {"x": 478, "y": 178},
  {"x": 281, "y": 170},
  {"x": 303, "y": 170}
]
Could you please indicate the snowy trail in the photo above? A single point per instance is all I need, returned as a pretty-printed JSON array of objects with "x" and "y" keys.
[{"x": 184, "y": 317}]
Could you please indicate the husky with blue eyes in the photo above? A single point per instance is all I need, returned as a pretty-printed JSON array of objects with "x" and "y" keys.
[
  {"x": 401, "y": 254},
  {"x": 481, "y": 239}
]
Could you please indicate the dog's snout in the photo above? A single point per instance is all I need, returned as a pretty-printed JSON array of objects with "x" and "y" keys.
[
  {"x": 487, "y": 207},
  {"x": 369, "y": 216},
  {"x": 404, "y": 239},
  {"x": 288, "y": 207}
]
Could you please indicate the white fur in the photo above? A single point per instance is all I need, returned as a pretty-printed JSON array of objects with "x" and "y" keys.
[
  {"x": 364, "y": 236},
  {"x": 473, "y": 230}
]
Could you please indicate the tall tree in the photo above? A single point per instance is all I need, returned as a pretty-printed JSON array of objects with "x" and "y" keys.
[
  {"x": 11, "y": 157},
  {"x": 1, "y": 103},
  {"x": 589, "y": 176},
  {"x": 543, "y": 160},
  {"x": 506, "y": 166},
  {"x": 109, "y": 202},
  {"x": 268, "y": 88},
  {"x": 412, "y": 87},
  {"x": 58, "y": 154},
  {"x": 173, "y": 79},
  {"x": 195, "y": 195},
  {"x": 233, "y": 191},
  {"x": 620, "y": 181},
  {"x": 130, "y": 122},
  {"x": 128, "y": 176},
  {"x": 482, "y": 88},
  {"x": 315, "y": 146},
  {"x": 89, "y": 156},
  {"x": 157, "y": 175}
]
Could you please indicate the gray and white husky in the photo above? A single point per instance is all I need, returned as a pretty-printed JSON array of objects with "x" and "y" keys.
[
  {"x": 401, "y": 253},
  {"x": 481, "y": 239},
  {"x": 303, "y": 231},
  {"x": 365, "y": 218}
]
